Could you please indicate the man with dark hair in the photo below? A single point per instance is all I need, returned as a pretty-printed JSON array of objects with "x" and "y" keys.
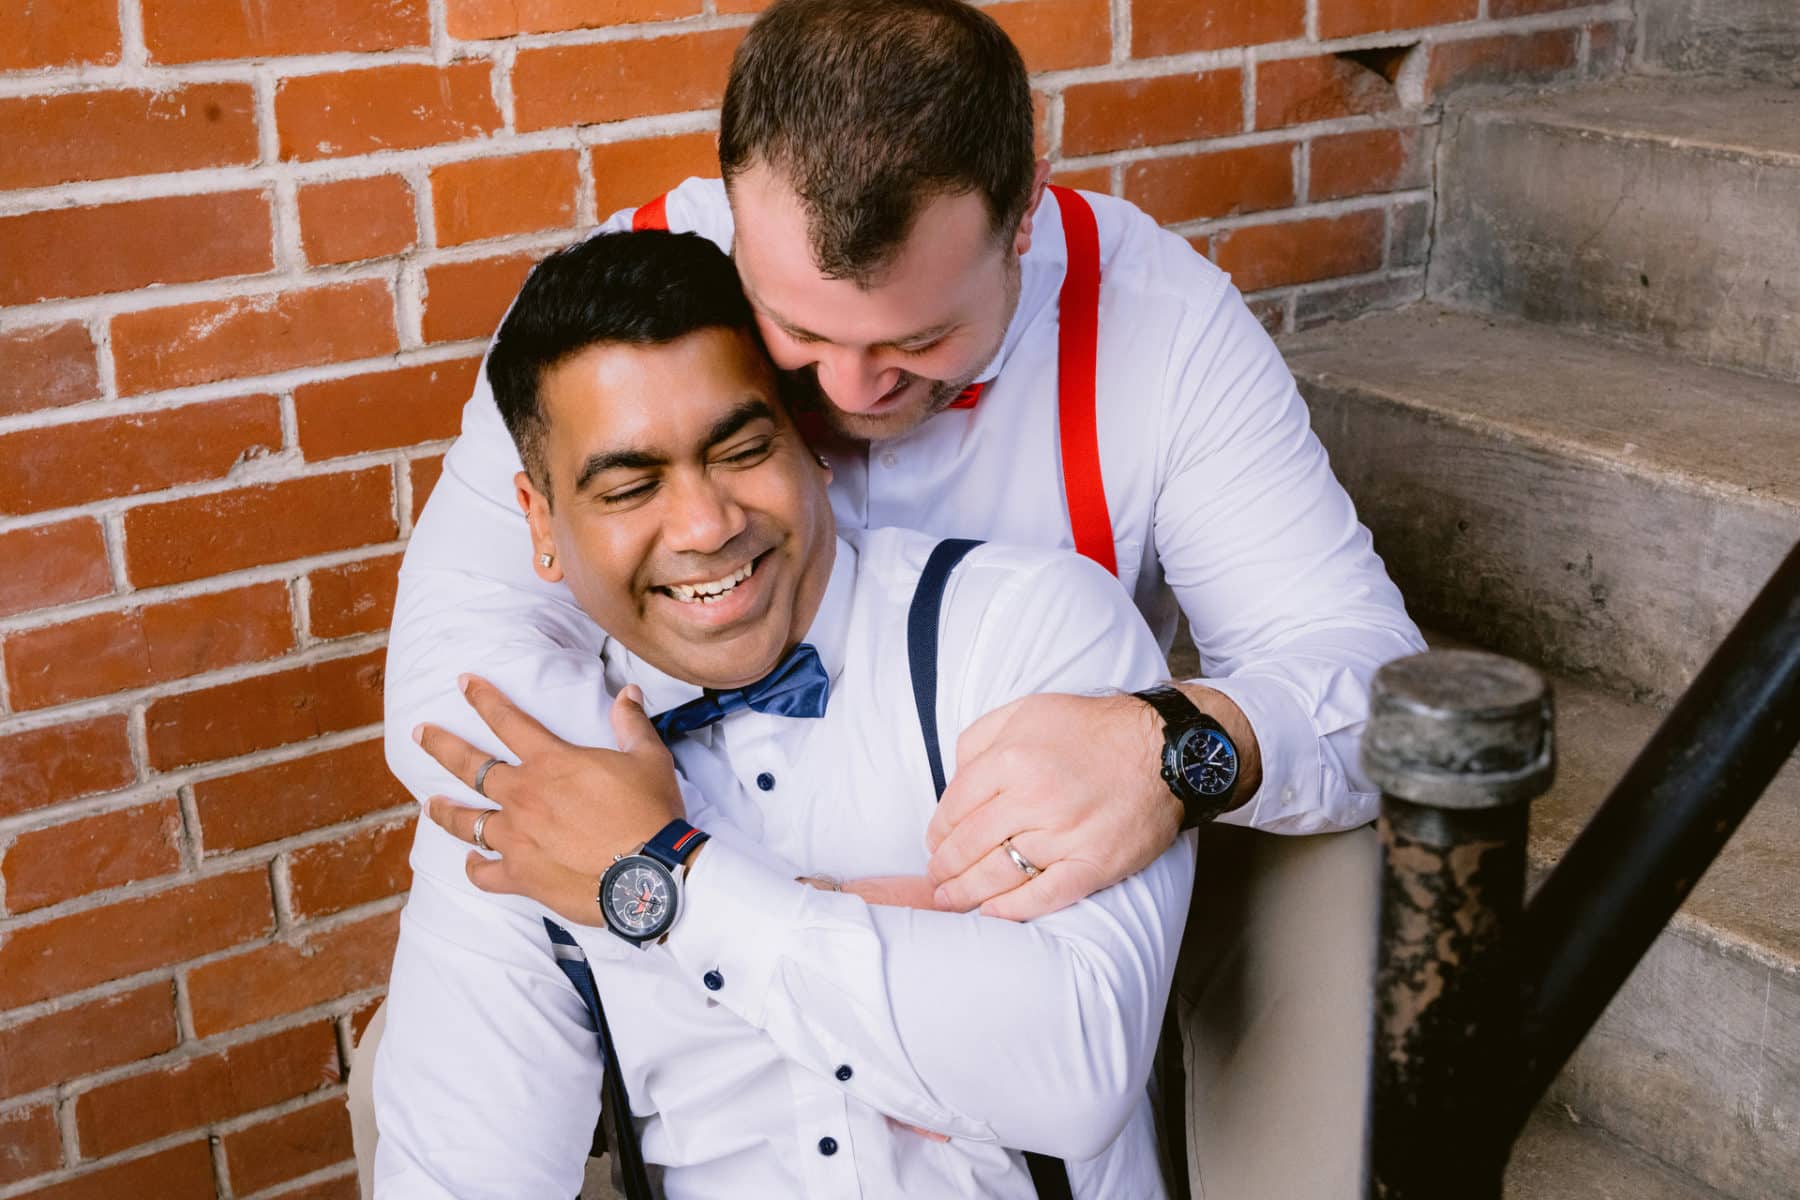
[
  {"x": 1061, "y": 373},
  {"x": 768, "y": 1034}
]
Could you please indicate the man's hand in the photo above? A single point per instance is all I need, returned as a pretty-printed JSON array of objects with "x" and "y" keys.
[
  {"x": 576, "y": 806},
  {"x": 1075, "y": 782}
]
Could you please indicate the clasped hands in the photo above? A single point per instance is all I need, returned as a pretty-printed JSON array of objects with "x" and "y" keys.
[{"x": 1070, "y": 780}]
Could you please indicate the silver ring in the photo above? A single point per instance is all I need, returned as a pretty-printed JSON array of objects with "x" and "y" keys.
[
  {"x": 1019, "y": 860},
  {"x": 481, "y": 777},
  {"x": 481, "y": 828}
]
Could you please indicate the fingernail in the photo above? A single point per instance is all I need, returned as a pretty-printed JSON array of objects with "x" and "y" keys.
[
  {"x": 418, "y": 733},
  {"x": 941, "y": 898},
  {"x": 637, "y": 695},
  {"x": 463, "y": 681}
]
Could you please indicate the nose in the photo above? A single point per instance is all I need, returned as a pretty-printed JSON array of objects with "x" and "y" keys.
[
  {"x": 854, "y": 380},
  {"x": 703, "y": 515}
]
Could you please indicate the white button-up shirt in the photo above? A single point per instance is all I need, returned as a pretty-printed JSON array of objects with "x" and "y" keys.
[
  {"x": 829, "y": 1016},
  {"x": 1223, "y": 506}
]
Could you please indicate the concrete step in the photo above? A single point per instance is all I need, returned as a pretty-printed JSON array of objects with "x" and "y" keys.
[
  {"x": 1596, "y": 509},
  {"x": 1557, "y": 1158},
  {"x": 1750, "y": 39},
  {"x": 1661, "y": 211}
]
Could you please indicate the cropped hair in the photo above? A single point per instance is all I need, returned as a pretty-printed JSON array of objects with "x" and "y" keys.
[
  {"x": 868, "y": 109},
  {"x": 634, "y": 288}
]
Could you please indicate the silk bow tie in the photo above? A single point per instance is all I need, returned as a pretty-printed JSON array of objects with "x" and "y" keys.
[{"x": 798, "y": 687}]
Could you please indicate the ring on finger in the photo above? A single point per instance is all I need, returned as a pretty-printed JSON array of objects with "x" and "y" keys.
[
  {"x": 481, "y": 777},
  {"x": 1019, "y": 860},
  {"x": 481, "y": 829}
]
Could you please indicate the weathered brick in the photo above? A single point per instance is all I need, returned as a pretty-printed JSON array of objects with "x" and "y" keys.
[
  {"x": 30, "y": 1143},
  {"x": 63, "y": 762},
  {"x": 475, "y": 19},
  {"x": 384, "y": 108},
  {"x": 68, "y": 953},
  {"x": 113, "y": 848},
  {"x": 269, "y": 710},
  {"x": 1526, "y": 57},
  {"x": 1289, "y": 252},
  {"x": 423, "y": 475},
  {"x": 1055, "y": 35},
  {"x": 337, "y": 1187},
  {"x": 65, "y": 34},
  {"x": 354, "y": 219},
  {"x": 207, "y": 535},
  {"x": 277, "y": 979},
  {"x": 111, "y": 652},
  {"x": 355, "y": 598},
  {"x": 1347, "y": 18},
  {"x": 1124, "y": 113},
  {"x": 1181, "y": 26},
  {"x": 119, "y": 247},
  {"x": 261, "y": 805},
  {"x": 362, "y": 866},
  {"x": 199, "y": 1090},
  {"x": 1292, "y": 91},
  {"x": 492, "y": 197},
  {"x": 60, "y": 465},
  {"x": 79, "y": 1041},
  {"x": 1499, "y": 9},
  {"x": 627, "y": 174},
  {"x": 108, "y": 134},
  {"x": 1375, "y": 160},
  {"x": 52, "y": 564},
  {"x": 182, "y": 1172},
  {"x": 48, "y": 366},
  {"x": 1192, "y": 187},
  {"x": 361, "y": 1015},
  {"x": 286, "y": 1147},
  {"x": 611, "y": 81},
  {"x": 1089, "y": 179},
  {"x": 466, "y": 300},
  {"x": 255, "y": 335},
  {"x": 192, "y": 30},
  {"x": 384, "y": 409}
]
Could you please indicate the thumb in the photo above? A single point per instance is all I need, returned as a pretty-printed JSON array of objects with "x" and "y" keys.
[{"x": 631, "y": 724}]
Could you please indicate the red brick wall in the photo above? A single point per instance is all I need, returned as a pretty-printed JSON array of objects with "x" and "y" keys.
[{"x": 249, "y": 254}]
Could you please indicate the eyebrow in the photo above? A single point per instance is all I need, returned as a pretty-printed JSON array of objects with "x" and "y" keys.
[
  {"x": 632, "y": 459},
  {"x": 930, "y": 334}
]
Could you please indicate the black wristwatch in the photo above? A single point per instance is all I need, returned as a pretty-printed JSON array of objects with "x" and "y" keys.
[
  {"x": 1199, "y": 759},
  {"x": 640, "y": 894}
]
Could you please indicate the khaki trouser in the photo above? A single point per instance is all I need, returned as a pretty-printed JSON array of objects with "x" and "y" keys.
[{"x": 1274, "y": 986}]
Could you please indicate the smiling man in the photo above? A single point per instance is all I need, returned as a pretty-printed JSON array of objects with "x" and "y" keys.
[{"x": 771, "y": 1036}]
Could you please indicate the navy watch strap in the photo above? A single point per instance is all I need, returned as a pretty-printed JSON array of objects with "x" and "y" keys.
[{"x": 674, "y": 842}]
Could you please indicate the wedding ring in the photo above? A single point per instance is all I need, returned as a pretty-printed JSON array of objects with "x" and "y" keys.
[
  {"x": 481, "y": 828},
  {"x": 481, "y": 777},
  {"x": 1019, "y": 860}
]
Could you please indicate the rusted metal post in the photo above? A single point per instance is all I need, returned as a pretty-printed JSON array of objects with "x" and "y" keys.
[{"x": 1459, "y": 742}]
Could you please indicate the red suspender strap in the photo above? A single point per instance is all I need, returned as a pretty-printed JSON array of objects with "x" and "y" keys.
[
  {"x": 654, "y": 215},
  {"x": 1077, "y": 366}
]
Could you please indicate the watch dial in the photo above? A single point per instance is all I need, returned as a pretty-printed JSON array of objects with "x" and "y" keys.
[
  {"x": 639, "y": 898},
  {"x": 1208, "y": 762}
]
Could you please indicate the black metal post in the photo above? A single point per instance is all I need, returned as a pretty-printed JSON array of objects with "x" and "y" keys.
[
  {"x": 1459, "y": 742},
  {"x": 1657, "y": 833}
]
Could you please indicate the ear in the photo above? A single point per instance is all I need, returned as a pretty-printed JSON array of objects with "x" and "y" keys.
[
  {"x": 1040, "y": 177},
  {"x": 537, "y": 515}
]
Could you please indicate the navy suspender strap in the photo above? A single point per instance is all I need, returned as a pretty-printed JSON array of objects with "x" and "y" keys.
[
  {"x": 627, "y": 1155},
  {"x": 1048, "y": 1175}
]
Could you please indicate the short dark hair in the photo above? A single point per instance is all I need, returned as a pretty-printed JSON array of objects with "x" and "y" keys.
[
  {"x": 869, "y": 108},
  {"x": 634, "y": 288}
]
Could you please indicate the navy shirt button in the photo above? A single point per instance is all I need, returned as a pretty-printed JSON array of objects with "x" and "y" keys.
[
  {"x": 713, "y": 981},
  {"x": 844, "y": 1073},
  {"x": 766, "y": 782},
  {"x": 828, "y": 1146}
]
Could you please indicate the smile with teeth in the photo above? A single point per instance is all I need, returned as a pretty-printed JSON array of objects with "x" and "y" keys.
[{"x": 712, "y": 591}]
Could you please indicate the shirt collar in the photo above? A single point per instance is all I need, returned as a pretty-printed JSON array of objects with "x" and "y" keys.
[{"x": 829, "y": 635}]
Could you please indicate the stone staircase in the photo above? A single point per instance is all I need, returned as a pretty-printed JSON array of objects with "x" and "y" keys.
[{"x": 1583, "y": 450}]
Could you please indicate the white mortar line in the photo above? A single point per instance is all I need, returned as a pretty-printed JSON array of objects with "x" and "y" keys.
[{"x": 134, "y": 53}]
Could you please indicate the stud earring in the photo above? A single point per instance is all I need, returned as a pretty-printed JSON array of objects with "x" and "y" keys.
[
  {"x": 822, "y": 461},
  {"x": 546, "y": 561}
]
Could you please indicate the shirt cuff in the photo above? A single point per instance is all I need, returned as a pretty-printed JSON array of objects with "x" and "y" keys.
[
  {"x": 1292, "y": 782},
  {"x": 732, "y": 931}
]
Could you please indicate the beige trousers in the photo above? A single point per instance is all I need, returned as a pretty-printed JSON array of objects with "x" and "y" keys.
[{"x": 1274, "y": 985}]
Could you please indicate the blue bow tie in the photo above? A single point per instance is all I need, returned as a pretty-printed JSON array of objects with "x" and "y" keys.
[{"x": 797, "y": 687}]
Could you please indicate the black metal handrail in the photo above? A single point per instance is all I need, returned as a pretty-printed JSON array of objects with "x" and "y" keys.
[{"x": 1479, "y": 1002}]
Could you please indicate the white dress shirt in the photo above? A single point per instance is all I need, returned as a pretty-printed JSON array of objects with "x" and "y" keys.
[
  {"x": 832, "y": 1015},
  {"x": 1221, "y": 499}
]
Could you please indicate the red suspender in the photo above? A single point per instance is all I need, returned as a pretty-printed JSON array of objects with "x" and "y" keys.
[
  {"x": 1077, "y": 364},
  {"x": 654, "y": 215}
]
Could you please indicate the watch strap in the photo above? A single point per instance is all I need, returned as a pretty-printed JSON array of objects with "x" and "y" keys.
[
  {"x": 1176, "y": 710},
  {"x": 674, "y": 842}
]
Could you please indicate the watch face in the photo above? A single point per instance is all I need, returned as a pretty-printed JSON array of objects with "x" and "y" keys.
[
  {"x": 1208, "y": 761},
  {"x": 638, "y": 895}
]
